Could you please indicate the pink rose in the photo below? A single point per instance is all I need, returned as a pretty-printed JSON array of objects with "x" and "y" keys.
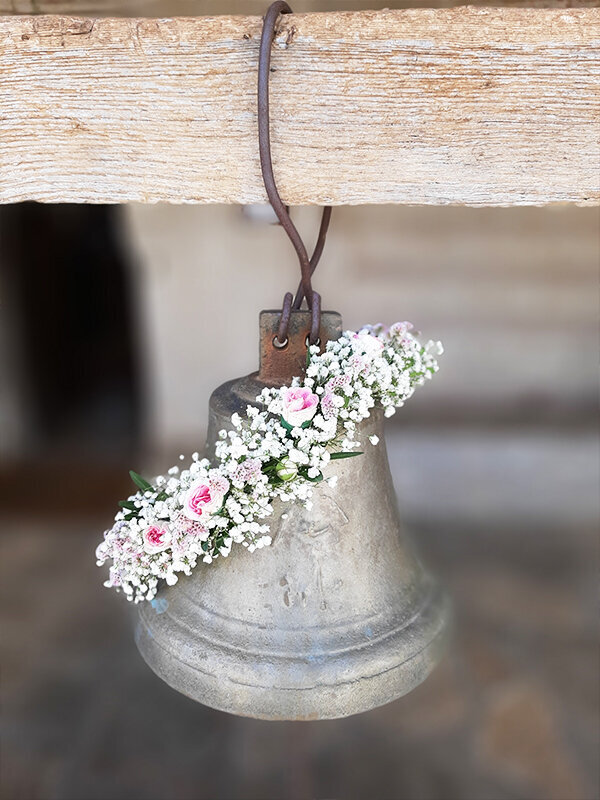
[
  {"x": 299, "y": 405},
  {"x": 156, "y": 539},
  {"x": 204, "y": 497}
]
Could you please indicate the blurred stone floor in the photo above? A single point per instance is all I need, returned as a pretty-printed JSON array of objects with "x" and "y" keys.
[{"x": 511, "y": 714}]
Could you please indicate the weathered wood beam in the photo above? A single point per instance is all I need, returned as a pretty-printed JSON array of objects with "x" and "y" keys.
[
  {"x": 477, "y": 106},
  {"x": 197, "y": 8}
]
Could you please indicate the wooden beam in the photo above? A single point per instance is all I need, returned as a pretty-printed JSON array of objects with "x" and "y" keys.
[
  {"x": 478, "y": 106},
  {"x": 197, "y": 8}
]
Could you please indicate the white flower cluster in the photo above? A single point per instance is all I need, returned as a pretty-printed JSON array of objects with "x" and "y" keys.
[{"x": 280, "y": 450}]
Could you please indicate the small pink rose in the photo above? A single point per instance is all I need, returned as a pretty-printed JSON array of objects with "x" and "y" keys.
[
  {"x": 299, "y": 405},
  {"x": 204, "y": 497},
  {"x": 156, "y": 539}
]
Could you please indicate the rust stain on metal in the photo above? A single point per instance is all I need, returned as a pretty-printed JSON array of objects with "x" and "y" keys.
[{"x": 278, "y": 365}]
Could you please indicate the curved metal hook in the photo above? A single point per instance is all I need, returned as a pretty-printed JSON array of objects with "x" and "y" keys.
[{"x": 307, "y": 266}]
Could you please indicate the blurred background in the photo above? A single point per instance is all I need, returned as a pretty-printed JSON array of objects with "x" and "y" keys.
[{"x": 117, "y": 323}]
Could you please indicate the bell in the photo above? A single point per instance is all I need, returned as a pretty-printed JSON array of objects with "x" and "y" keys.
[{"x": 336, "y": 617}]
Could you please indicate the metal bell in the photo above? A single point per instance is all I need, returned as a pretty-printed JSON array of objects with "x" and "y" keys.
[{"x": 336, "y": 617}]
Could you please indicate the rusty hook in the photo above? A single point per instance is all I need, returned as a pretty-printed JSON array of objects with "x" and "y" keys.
[{"x": 307, "y": 266}]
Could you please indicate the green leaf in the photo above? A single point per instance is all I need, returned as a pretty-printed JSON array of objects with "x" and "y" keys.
[
  {"x": 304, "y": 472},
  {"x": 128, "y": 504},
  {"x": 346, "y": 455},
  {"x": 140, "y": 482},
  {"x": 289, "y": 427},
  {"x": 317, "y": 479}
]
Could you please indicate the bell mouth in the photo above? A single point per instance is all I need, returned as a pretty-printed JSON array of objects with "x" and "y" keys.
[{"x": 305, "y": 685}]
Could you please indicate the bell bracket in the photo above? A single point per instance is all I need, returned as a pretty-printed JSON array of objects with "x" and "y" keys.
[{"x": 282, "y": 361}]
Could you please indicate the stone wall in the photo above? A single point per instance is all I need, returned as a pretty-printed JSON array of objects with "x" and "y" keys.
[{"x": 511, "y": 292}]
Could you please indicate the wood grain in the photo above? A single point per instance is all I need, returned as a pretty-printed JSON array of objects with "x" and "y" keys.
[
  {"x": 477, "y": 106},
  {"x": 197, "y": 8}
]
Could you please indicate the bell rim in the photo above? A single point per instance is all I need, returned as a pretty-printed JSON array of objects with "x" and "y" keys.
[{"x": 357, "y": 692}]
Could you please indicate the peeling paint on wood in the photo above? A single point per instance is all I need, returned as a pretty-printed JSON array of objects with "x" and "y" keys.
[{"x": 477, "y": 106}]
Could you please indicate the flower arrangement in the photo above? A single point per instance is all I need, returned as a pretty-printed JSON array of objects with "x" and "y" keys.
[{"x": 280, "y": 450}]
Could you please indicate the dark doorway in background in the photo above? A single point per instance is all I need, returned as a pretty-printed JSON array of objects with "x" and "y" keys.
[{"x": 70, "y": 294}]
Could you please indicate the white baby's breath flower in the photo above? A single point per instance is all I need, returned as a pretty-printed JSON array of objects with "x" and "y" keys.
[{"x": 155, "y": 537}]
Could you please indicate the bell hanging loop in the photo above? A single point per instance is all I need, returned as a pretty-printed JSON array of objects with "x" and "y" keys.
[{"x": 307, "y": 266}]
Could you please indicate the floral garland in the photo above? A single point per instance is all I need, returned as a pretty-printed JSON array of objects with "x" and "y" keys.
[{"x": 279, "y": 451}]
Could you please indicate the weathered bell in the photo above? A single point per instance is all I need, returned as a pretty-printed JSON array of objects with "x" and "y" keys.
[{"x": 336, "y": 617}]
